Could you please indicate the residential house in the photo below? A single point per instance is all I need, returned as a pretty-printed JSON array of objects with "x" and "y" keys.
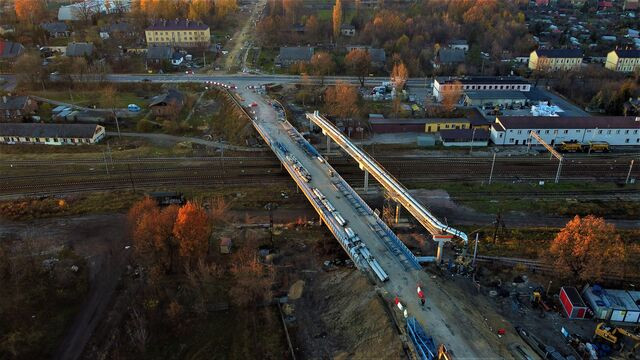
[
  {"x": 449, "y": 57},
  {"x": 79, "y": 49},
  {"x": 118, "y": 29},
  {"x": 615, "y": 130},
  {"x": 378, "y": 55},
  {"x": 16, "y": 108},
  {"x": 443, "y": 85},
  {"x": 158, "y": 54},
  {"x": 179, "y": 32},
  {"x": 168, "y": 104},
  {"x": 459, "y": 45},
  {"x": 56, "y": 29},
  {"x": 51, "y": 134},
  {"x": 292, "y": 55},
  {"x": 623, "y": 60},
  {"x": 10, "y": 50},
  {"x": 555, "y": 59},
  {"x": 348, "y": 30}
]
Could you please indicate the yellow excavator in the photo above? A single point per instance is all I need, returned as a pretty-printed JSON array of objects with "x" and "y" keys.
[{"x": 615, "y": 336}]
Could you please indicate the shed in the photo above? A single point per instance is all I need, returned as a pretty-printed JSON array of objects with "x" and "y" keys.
[
  {"x": 624, "y": 308},
  {"x": 225, "y": 245},
  {"x": 572, "y": 303}
]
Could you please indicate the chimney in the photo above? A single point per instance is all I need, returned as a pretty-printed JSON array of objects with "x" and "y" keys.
[{"x": 4, "y": 99}]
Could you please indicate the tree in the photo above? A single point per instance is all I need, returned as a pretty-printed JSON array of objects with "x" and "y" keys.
[
  {"x": 359, "y": 62},
  {"x": 451, "y": 98},
  {"x": 322, "y": 64},
  {"x": 199, "y": 9},
  {"x": 312, "y": 28},
  {"x": 342, "y": 100},
  {"x": 29, "y": 70},
  {"x": 588, "y": 248},
  {"x": 192, "y": 230},
  {"x": 399, "y": 75},
  {"x": 109, "y": 100},
  {"x": 337, "y": 19},
  {"x": 224, "y": 7},
  {"x": 30, "y": 11}
]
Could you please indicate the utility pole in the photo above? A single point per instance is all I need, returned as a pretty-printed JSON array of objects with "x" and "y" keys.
[
  {"x": 133, "y": 186},
  {"x": 629, "y": 173},
  {"x": 492, "y": 165},
  {"x": 473, "y": 136},
  {"x": 106, "y": 165},
  {"x": 475, "y": 251}
]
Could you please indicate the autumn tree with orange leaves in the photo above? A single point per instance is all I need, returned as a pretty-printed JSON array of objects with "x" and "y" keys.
[
  {"x": 164, "y": 236},
  {"x": 588, "y": 248},
  {"x": 342, "y": 100},
  {"x": 30, "y": 11},
  {"x": 358, "y": 61},
  {"x": 337, "y": 19},
  {"x": 399, "y": 75},
  {"x": 192, "y": 230}
]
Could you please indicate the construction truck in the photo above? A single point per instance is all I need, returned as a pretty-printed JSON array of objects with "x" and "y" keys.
[{"x": 615, "y": 337}]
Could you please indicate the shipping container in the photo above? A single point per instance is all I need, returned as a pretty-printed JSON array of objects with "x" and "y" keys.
[
  {"x": 597, "y": 301},
  {"x": 572, "y": 303},
  {"x": 624, "y": 307}
]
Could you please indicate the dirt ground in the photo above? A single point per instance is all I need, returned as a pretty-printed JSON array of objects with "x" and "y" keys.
[
  {"x": 341, "y": 316},
  {"x": 100, "y": 240}
]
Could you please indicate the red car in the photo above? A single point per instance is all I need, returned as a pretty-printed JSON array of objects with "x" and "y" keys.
[{"x": 254, "y": 104}]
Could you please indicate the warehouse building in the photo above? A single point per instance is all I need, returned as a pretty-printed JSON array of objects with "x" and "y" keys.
[
  {"x": 615, "y": 130},
  {"x": 442, "y": 85},
  {"x": 51, "y": 134}
]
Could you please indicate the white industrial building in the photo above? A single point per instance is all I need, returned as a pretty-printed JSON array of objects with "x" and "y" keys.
[
  {"x": 615, "y": 130},
  {"x": 442, "y": 85},
  {"x": 77, "y": 11},
  {"x": 50, "y": 134}
]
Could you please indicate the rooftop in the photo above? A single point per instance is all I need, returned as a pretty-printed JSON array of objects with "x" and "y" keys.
[
  {"x": 464, "y": 134},
  {"x": 474, "y": 80},
  {"x": 55, "y": 27},
  {"x": 172, "y": 95},
  {"x": 559, "y": 53},
  {"x": 295, "y": 53},
  {"x": 79, "y": 49},
  {"x": 378, "y": 121},
  {"x": 159, "y": 52},
  {"x": 177, "y": 24},
  {"x": 554, "y": 122},
  {"x": 10, "y": 49},
  {"x": 497, "y": 94},
  {"x": 451, "y": 56},
  {"x": 627, "y": 53},
  {"x": 48, "y": 130}
]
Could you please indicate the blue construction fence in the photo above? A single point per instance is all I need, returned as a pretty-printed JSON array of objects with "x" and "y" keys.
[{"x": 424, "y": 344}]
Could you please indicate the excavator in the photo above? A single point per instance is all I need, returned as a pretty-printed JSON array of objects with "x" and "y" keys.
[{"x": 615, "y": 336}]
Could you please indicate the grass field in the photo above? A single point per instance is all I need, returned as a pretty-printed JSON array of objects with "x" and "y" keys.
[{"x": 90, "y": 98}]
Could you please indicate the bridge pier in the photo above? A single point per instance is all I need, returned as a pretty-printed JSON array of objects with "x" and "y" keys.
[
  {"x": 439, "y": 253},
  {"x": 328, "y": 145},
  {"x": 366, "y": 181}
]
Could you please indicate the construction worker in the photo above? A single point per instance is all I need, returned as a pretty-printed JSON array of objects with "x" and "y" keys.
[{"x": 420, "y": 295}]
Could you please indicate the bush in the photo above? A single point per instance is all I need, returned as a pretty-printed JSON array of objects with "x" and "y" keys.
[{"x": 145, "y": 126}]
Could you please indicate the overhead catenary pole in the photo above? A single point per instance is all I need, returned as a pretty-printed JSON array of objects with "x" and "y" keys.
[
  {"x": 475, "y": 251},
  {"x": 492, "y": 165},
  {"x": 558, "y": 172},
  {"x": 629, "y": 173}
]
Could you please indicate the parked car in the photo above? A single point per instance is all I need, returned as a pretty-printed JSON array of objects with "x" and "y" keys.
[{"x": 133, "y": 107}]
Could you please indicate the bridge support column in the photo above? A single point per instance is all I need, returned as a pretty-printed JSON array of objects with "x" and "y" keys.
[
  {"x": 328, "y": 144},
  {"x": 439, "y": 253},
  {"x": 310, "y": 125},
  {"x": 366, "y": 181},
  {"x": 397, "y": 212}
]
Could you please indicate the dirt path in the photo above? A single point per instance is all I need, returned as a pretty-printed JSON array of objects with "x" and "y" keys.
[
  {"x": 101, "y": 240},
  {"x": 236, "y": 56}
]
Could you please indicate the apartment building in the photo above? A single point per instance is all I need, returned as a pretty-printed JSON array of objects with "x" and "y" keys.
[
  {"x": 623, "y": 60},
  {"x": 179, "y": 32},
  {"x": 555, "y": 59}
]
